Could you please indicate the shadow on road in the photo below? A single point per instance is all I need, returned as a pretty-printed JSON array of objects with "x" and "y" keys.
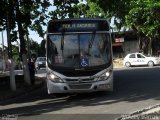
[{"x": 132, "y": 85}]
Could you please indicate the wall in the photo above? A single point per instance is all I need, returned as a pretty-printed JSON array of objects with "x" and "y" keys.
[{"x": 131, "y": 46}]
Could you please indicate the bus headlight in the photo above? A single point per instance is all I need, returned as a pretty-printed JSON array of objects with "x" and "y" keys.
[
  {"x": 54, "y": 78},
  {"x": 104, "y": 76}
]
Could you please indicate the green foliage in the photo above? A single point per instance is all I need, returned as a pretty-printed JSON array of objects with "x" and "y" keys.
[
  {"x": 39, "y": 16},
  {"x": 15, "y": 52},
  {"x": 33, "y": 45},
  {"x": 77, "y": 9},
  {"x": 64, "y": 8},
  {"x": 23, "y": 14},
  {"x": 80, "y": 10},
  {"x": 14, "y": 36},
  {"x": 95, "y": 11},
  {"x": 42, "y": 49},
  {"x": 2, "y": 15},
  {"x": 142, "y": 15},
  {"x": 31, "y": 13},
  {"x": 145, "y": 17},
  {"x": 115, "y": 9}
]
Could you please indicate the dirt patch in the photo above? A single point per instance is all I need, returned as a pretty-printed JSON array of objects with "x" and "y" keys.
[
  {"x": 118, "y": 63},
  {"x": 21, "y": 87}
]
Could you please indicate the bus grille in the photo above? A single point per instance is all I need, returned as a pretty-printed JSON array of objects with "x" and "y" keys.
[
  {"x": 81, "y": 86},
  {"x": 82, "y": 80}
]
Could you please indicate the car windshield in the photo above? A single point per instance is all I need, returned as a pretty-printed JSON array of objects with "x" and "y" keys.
[
  {"x": 41, "y": 59},
  {"x": 79, "y": 50}
]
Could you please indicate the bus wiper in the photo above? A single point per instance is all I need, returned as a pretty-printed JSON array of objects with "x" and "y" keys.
[
  {"x": 62, "y": 42},
  {"x": 92, "y": 40}
]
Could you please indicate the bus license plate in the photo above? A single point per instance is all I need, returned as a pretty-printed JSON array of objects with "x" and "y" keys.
[{"x": 103, "y": 86}]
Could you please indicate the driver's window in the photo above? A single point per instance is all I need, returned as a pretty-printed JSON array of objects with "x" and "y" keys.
[{"x": 140, "y": 56}]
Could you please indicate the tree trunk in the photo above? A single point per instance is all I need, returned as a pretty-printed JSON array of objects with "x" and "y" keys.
[
  {"x": 12, "y": 75},
  {"x": 26, "y": 69},
  {"x": 22, "y": 45},
  {"x": 11, "y": 67},
  {"x": 150, "y": 46}
]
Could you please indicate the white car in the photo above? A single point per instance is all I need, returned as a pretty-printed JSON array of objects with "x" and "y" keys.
[{"x": 137, "y": 59}]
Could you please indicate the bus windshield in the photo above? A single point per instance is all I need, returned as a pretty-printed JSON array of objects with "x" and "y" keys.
[{"x": 78, "y": 50}]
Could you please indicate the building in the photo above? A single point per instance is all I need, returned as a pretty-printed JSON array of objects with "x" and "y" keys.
[{"x": 124, "y": 43}]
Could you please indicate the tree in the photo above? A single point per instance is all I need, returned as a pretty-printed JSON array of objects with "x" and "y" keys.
[
  {"x": 115, "y": 8},
  {"x": 80, "y": 10},
  {"x": 64, "y": 8},
  {"x": 76, "y": 9},
  {"x": 42, "y": 49},
  {"x": 22, "y": 14},
  {"x": 33, "y": 48},
  {"x": 95, "y": 11},
  {"x": 39, "y": 16},
  {"x": 143, "y": 16}
]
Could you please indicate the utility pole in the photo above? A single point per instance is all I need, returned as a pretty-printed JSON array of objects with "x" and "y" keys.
[
  {"x": 28, "y": 44},
  {"x": 3, "y": 55}
]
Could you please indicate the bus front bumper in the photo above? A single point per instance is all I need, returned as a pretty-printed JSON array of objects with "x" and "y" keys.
[{"x": 105, "y": 85}]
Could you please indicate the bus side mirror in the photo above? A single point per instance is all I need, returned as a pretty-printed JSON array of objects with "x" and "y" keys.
[{"x": 45, "y": 39}]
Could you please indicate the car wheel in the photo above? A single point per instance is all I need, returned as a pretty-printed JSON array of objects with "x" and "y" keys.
[
  {"x": 150, "y": 64},
  {"x": 128, "y": 64}
]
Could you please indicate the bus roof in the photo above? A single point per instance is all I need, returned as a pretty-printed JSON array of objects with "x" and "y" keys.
[
  {"x": 79, "y": 19},
  {"x": 78, "y": 25}
]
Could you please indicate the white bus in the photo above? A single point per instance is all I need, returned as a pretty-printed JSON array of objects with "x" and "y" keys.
[{"x": 79, "y": 56}]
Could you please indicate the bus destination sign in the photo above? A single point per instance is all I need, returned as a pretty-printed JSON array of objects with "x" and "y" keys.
[{"x": 79, "y": 25}]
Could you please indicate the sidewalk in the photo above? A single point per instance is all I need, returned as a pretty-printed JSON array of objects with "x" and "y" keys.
[
  {"x": 7, "y": 73},
  {"x": 21, "y": 87},
  {"x": 150, "y": 113}
]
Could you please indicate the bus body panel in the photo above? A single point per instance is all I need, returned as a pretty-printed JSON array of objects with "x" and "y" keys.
[
  {"x": 105, "y": 85},
  {"x": 58, "y": 34}
]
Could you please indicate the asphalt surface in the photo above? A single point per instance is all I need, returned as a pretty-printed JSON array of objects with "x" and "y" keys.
[{"x": 135, "y": 89}]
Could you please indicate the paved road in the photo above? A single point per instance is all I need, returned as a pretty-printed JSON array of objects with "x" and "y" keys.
[{"x": 136, "y": 88}]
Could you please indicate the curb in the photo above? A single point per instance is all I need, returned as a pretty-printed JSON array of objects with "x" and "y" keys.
[{"x": 150, "y": 113}]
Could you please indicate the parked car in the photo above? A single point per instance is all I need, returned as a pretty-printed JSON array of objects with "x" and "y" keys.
[
  {"x": 138, "y": 59},
  {"x": 40, "y": 62}
]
